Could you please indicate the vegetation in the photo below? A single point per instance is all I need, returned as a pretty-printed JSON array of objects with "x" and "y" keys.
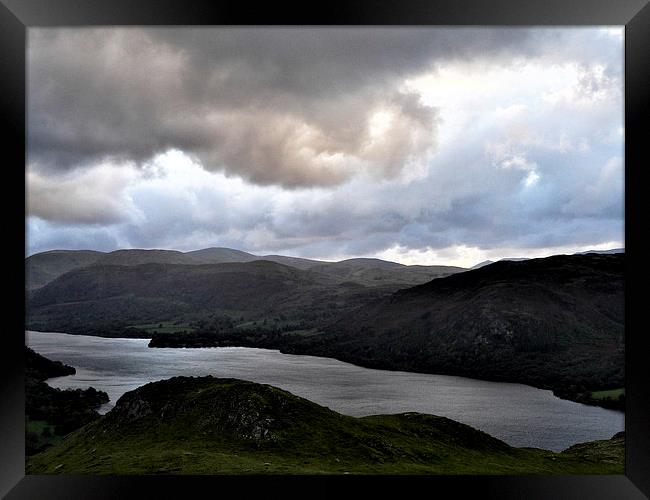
[
  {"x": 163, "y": 327},
  {"x": 206, "y": 425},
  {"x": 613, "y": 399},
  {"x": 52, "y": 413},
  {"x": 555, "y": 323},
  {"x": 611, "y": 394},
  {"x": 44, "y": 267}
]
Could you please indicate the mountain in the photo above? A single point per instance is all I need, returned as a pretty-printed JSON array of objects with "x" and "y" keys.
[
  {"x": 44, "y": 267},
  {"x": 106, "y": 299},
  {"x": 120, "y": 290},
  {"x": 41, "y": 268},
  {"x": 372, "y": 272},
  {"x": 208, "y": 425},
  {"x": 556, "y": 322},
  {"x": 375, "y": 272},
  {"x": 229, "y": 285},
  {"x": 296, "y": 262},
  {"x": 219, "y": 255},
  {"x": 481, "y": 264},
  {"x": 488, "y": 262},
  {"x": 136, "y": 257},
  {"x": 613, "y": 250}
]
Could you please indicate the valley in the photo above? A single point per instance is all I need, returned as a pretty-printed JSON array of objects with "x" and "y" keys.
[{"x": 555, "y": 323}]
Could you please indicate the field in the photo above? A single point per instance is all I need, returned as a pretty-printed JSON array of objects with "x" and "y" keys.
[{"x": 611, "y": 394}]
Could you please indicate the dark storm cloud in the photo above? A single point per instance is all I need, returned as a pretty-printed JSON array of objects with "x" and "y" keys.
[{"x": 292, "y": 107}]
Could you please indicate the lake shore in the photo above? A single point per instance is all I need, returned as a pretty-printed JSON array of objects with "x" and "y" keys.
[{"x": 336, "y": 385}]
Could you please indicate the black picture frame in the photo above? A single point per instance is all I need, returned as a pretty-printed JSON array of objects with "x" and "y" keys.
[{"x": 17, "y": 15}]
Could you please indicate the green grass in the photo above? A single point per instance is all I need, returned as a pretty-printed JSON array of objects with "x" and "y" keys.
[
  {"x": 225, "y": 426},
  {"x": 37, "y": 426},
  {"x": 40, "y": 433},
  {"x": 612, "y": 394}
]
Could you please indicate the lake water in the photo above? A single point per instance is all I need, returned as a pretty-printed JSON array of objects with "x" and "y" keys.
[{"x": 518, "y": 414}]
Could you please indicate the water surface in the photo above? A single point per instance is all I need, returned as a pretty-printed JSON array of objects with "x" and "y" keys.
[{"x": 518, "y": 414}]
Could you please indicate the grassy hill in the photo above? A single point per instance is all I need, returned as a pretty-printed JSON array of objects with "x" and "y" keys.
[{"x": 208, "y": 425}]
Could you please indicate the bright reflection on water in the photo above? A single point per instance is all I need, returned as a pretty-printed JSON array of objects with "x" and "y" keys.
[{"x": 518, "y": 414}]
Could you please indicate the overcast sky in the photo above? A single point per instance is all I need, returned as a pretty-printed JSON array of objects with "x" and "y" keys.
[{"x": 423, "y": 146}]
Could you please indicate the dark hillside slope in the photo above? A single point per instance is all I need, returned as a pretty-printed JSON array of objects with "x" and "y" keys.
[
  {"x": 208, "y": 425},
  {"x": 555, "y": 322},
  {"x": 136, "y": 257},
  {"x": 373, "y": 272},
  {"x": 88, "y": 299},
  {"x": 219, "y": 255},
  {"x": 41, "y": 268},
  {"x": 234, "y": 286}
]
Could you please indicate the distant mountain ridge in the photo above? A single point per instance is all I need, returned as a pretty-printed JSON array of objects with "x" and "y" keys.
[
  {"x": 604, "y": 252},
  {"x": 42, "y": 268},
  {"x": 120, "y": 290}
]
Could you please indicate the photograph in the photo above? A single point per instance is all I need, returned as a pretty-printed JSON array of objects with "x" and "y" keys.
[{"x": 325, "y": 250}]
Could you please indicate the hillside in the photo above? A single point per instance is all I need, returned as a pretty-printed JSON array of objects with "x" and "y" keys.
[
  {"x": 219, "y": 255},
  {"x": 556, "y": 322},
  {"x": 373, "y": 272},
  {"x": 40, "y": 368},
  {"x": 44, "y": 267},
  {"x": 52, "y": 413},
  {"x": 136, "y": 257},
  {"x": 121, "y": 290},
  {"x": 103, "y": 299},
  {"x": 207, "y": 425}
]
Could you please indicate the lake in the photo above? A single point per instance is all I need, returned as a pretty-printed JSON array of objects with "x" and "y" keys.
[{"x": 518, "y": 414}]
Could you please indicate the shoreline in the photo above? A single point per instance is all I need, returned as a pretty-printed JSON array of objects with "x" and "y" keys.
[{"x": 575, "y": 398}]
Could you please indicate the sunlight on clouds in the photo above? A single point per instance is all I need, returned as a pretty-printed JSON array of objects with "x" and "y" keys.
[
  {"x": 531, "y": 179},
  {"x": 94, "y": 195},
  {"x": 467, "y": 256}
]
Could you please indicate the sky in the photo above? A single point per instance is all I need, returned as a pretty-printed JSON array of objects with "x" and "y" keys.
[{"x": 434, "y": 145}]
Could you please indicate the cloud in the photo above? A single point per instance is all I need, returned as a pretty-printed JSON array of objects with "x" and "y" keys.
[
  {"x": 91, "y": 196},
  {"x": 292, "y": 107},
  {"x": 601, "y": 195},
  {"x": 448, "y": 144}
]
